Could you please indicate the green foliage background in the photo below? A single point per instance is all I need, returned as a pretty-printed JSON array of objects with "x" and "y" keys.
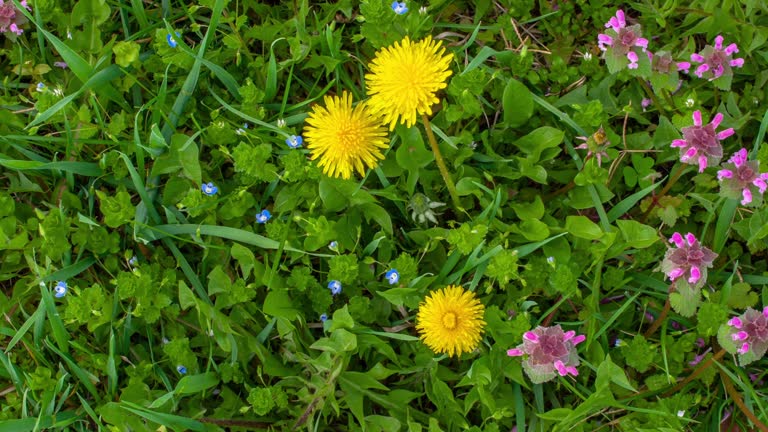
[{"x": 105, "y": 165}]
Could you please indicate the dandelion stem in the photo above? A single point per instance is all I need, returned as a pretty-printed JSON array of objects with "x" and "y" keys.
[
  {"x": 740, "y": 402},
  {"x": 441, "y": 164}
]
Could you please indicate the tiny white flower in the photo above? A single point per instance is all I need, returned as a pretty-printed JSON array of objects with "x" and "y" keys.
[
  {"x": 681, "y": 413},
  {"x": 587, "y": 56},
  {"x": 690, "y": 102},
  {"x": 281, "y": 123}
]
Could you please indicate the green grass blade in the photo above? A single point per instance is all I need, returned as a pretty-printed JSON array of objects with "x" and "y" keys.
[
  {"x": 627, "y": 203},
  {"x": 70, "y": 271},
  {"x": 24, "y": 328},
  {"x": 60, "y": 334},
  {"x": 174, "y": 422},
  {"x": 723, "y": 225},
  {"x": 59, "y": 420},
  {"x": 84, "y": 377},
  {"x": 82, "y": 168},
  {"x": 100, "y": 78}
]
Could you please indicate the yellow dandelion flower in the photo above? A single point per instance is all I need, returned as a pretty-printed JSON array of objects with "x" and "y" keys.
[
  {"x": 345, "y": 138},
  {"x": 451, "y": 320},
  {"x": 405, "y": 77}
]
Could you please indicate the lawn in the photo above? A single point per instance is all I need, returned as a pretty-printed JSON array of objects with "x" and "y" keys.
[{"x": 486, "y": 216}]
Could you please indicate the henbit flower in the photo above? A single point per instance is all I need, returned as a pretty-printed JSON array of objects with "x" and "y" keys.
[
  {"x": 209, "y": 189},
  {"x": 548, "y": 352},
  {"x": 748, "y": 333},
  {"x": 294, "y": 141},
  {"x": 392, "y": 276},
  {"x": 701, "y": 143},
  {"x": 399, "y": 7},
  {"x": 335, "y": 287},
  {"x": 404, "y": 78},
  {"x": 621, "y": 40},
  {"x": 263, "y": 216},
  {"x": 595, "y": 145},
  {"x": 689, "y": 261},
  {"x": 60, "y": 290},
  {"x": 181, "y": 369},
  {"x": 450, "y": 321},
  {"x": 11, "y": 19},
  {"x": 662, "y": 62},
  {"x": 742, "y": 179},
  {"x": 343, "y": 138},
  {"x": 717, "y": 61}
]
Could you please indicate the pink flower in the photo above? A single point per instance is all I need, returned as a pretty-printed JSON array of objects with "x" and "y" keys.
[
  {"x": 548, "y": 352},
  {"x": 689, "y": 261},
  {"x": 746, "y": 335},
  {"x": 701, "y": 143},
  {"x": 595, "y": 145},
  {"x": 716, "y": 61},
  {"x": 11, "y": 19},
  {"x": 622, "y": 41},
  {"x": 742, "y": 179}
]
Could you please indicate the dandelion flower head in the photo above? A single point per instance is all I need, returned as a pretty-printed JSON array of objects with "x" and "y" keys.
[
  {"x": 344, "y": 138},
  {"x": 404, "y": 78},
  {"x": 450, "y": 321}
]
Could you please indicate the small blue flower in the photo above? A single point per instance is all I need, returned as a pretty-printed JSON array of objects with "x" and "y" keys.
[
  {"x": 181, "y": 369},
  {"x": 40, "y": 87},
  {"x": 323, "y": 317},
  {"x": 133, "y": 261},
  {"x": 60, "y": 290},
  {"x": 399, "y": 7},
  {"x": 209, "y": 189},
  {"x": 392, "y": 276},
  {"x": 294, "y": 141},
  {"x": 335, "y": 287},
  {"x": 334, "y": 245},
  {"x": 263, "y": 217},
  {"x": 172, "y": 40}
]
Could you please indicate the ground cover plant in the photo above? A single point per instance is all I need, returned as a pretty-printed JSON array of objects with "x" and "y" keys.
[{"x": 383, "y": 216}]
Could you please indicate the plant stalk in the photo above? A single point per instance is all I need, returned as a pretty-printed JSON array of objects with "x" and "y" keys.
[
  {"x": 441, "y": 164},
  {"x": 679, "y": 169}
]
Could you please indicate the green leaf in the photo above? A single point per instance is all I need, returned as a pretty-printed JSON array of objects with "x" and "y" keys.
[
  {"x": 191, "y": 384},
  {"x": 218, "y": 281},
  {"x": 609, "y": 372},
  {"x": 639, "y": 353},
  {"x": 126, "y": 52},
  {"x": 279, "y": 304},
  {"x": 517, "y": 102},
  {"x": 636, "y": 234},
  {"x": 582, "y": 227},
  {"x": 245, "y": 258},
  {"x": 342, "y": 319},
  {"x": 539, "y": 140},
  {"x": 186, "y": 297}
]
